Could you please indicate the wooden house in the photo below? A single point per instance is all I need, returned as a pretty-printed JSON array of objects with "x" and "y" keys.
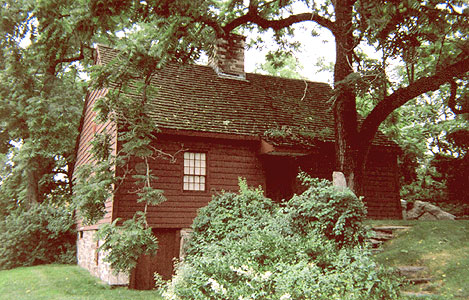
[{"x": 229, "y": 124}]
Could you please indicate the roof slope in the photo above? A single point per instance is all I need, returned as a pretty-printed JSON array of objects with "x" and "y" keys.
[{"x": 194, "y": 97}]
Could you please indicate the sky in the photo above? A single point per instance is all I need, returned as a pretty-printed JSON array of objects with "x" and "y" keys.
[{"x": 313, "y": 49}]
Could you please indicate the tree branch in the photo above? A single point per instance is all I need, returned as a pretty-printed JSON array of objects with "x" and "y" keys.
[
  {"x": 212, "y": 23},
  {"x": 53, "y": 65},
  {"x": 72, "y": 59},
  {"x": 452, "y": 100},
  {"x": 252, "y": 16},
  {"x": 401, "y": 96}
]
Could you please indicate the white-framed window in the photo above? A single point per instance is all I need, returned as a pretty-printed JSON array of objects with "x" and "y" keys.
[{"x": 195, "y": 171}]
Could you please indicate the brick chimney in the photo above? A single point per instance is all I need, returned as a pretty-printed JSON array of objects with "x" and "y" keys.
[{"x": 227, "y": 58}]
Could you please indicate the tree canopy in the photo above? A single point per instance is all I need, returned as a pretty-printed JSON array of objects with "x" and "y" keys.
[{"x": 41, "y": 85}]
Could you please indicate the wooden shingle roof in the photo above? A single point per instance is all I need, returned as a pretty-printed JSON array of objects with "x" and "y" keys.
[{"x": 194, "y": 98}]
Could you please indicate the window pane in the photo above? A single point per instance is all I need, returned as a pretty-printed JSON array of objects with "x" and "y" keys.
[{"x": 194, "y": 171}]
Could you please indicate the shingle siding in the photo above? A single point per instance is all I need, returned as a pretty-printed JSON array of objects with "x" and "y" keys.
[
  {"x": 381, "y": 184},
  {"x": 229, "y": 160},
  {"x": 226, "y": 162},
  {"x": 88, "y": 129},
  {"x": 381, "y": 187}
]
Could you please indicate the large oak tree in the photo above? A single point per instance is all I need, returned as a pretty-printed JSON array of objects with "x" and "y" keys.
[{"x": 63, "y": 32}]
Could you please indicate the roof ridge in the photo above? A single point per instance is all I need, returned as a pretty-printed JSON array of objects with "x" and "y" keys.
[
  {"x": 250, "y": 73},
  {"x": 193, "y": 97}
]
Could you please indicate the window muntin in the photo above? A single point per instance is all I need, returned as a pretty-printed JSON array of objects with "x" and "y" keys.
[{"x": 195, "y": 171}]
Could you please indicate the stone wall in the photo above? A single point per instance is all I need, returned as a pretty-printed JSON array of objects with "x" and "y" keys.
[{"x": 89, "y": 258}]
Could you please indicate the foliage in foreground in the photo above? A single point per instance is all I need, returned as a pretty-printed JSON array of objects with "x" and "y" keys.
[
  {"x": 124, "y": 244},
  {"x": 62, "y": 282},
  {"x": 40, "y": 235},
  {"x": 244, "y": 246}
]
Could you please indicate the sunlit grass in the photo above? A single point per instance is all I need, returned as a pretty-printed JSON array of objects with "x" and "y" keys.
[
  {"x": 61, "y": 282},
  {"x": 441, "y": 246}
]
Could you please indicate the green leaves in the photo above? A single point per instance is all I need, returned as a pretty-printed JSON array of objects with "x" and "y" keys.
[
  {"x": 124, "y": 244},
  {"x": 39, "y": 235},
  {"x": 151, "y": 196},
  {"x": 244, "y": 246},
  {"x": 282, "y": 64},
  {"x": 93, "y": 187}
]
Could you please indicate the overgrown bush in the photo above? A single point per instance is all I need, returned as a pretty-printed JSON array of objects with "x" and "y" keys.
[
  {"x": 244, "y": 246},
  {"x": 124, "y": 244},
  {"x": 39, "y": 235},
  {"x": 232, "y": 216},
  {"x": 327, "y": 211}
]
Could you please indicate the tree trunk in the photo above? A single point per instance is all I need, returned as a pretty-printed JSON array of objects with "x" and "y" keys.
[
  {"x": 32, "y": 190},
  {"x": 350, "y": 158}
]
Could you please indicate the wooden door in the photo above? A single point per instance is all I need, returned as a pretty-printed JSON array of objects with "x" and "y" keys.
[
  {"x": 142, "y": 278},
  {"x": 281, "y": 175}
]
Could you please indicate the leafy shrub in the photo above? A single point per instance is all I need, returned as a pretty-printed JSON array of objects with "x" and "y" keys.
[
  {"x": 40, "y": 235},
  {"x": 230, "y": 215},
  {"x": 327, "y": 211},
  {"x": 124, "y": 244},
  {"x": 93, "y": 187},
  {"x": 244, "y": 246}
]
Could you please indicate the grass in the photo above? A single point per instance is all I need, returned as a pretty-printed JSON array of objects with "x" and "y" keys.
[
  {"x": 62, "y": 282},
  {"x": 441, "y": 246}
]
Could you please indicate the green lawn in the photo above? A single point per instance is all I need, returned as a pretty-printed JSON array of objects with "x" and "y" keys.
[
  {"x": 61, "y": 282},
  {"x": 441, "y": 246}
]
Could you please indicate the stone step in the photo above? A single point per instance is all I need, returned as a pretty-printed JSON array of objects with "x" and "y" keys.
[
  {"x": 418, "y": 295},
  {"x": 382, "y": 236},
  {"x": 383, "y": 233},
  {"x": 375, "y": 244},
  {"x": 411, "y": 271},
  {"x": 389, "y": 228},
  {"x": 419, "y": 280}
]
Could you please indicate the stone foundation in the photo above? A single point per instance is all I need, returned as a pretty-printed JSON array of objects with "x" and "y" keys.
[{"x": 89, "y": 258}]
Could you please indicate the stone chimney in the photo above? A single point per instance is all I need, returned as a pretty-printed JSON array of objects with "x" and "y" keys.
[{"x": 227, "y": 58}]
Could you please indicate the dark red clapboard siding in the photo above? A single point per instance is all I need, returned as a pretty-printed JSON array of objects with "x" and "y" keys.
[
  {"x": 382, "y": 186},
  {"x": 226, "y": 162},
  {"x": 88, "y": 130}
]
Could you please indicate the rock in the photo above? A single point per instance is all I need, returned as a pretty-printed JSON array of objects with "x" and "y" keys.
[
  {"x": 410, "y": 271},
  {"x": 338, "y": 180},
  {"x": 382, "y": 236},
  {"x": 426, "y": 211},
  {"x": 424, "y": 295},
  {"x": 416, "y": 211},
  {"x": 427, "y": 216},
  {"x": 390, "y": 228},
  {"x": 404, "y": 209}
]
